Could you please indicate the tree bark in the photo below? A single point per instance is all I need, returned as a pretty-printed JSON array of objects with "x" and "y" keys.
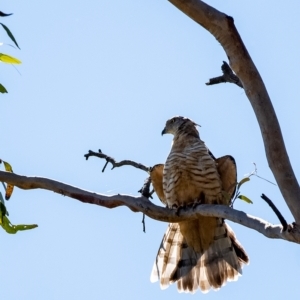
[
  {"x": 222, "y": 28},
  {"x": 142, "y": 204}
]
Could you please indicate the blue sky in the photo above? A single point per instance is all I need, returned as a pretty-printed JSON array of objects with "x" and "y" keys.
[{"x": 107, "y": 75}]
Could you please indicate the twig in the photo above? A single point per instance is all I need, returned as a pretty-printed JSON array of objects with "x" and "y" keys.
[
  {"x": 228, "y": 76},
  {"x": 265, "y": 179},
  {"x": 105, "y": 166},
  {"x": 254, "y": 173},
  {"x": 114, "y": 163},
  {"x": 145, "y": 191},
  {"x": 276, "y": 211},
  {"x": 144, "y": 223}
]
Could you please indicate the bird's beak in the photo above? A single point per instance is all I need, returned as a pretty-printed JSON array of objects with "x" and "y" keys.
[{"x": 164, "y": 131}]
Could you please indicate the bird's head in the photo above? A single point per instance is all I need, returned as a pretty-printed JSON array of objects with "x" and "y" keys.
[{"x": 178, "y": 125}]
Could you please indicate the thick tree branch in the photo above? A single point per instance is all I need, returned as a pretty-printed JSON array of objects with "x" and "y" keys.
[
  {"x": 142, "y": 204},
  {"x": 222, "y": 28}
]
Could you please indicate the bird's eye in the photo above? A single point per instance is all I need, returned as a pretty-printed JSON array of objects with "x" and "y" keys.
[{"x": 173, "y": 120}]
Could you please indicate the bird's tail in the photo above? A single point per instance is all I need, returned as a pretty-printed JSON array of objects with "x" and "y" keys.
[{"x": 222, "y": 261}]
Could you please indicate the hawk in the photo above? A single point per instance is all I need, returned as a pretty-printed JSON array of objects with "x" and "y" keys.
[{"x": 202, "y": 253}]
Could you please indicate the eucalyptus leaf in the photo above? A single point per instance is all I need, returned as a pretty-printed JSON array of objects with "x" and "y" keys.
[
  {"x": 242, "y": 182},
  {"x": 10, "y": 34},
  {"x": 8, "y": 167},
  {"x": 2, "y": 210},
  {"x": 246, "y": 199},
  {"x": 2, "y": 14},
  {"x": 12, "y": 229},
  {"x": 9, "y": 59},
  {"x": 1, "y": 198},
  {"x": 3, "y": 90}
]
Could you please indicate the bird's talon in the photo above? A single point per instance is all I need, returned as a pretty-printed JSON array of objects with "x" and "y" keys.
[
  {"x": 179, "y": 208},
  {"x": 195, "y": 204}
]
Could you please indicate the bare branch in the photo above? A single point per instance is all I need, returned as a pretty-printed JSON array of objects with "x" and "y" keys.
[
  {"x": 223, "y": 29},
  {"x": 145, "y": 190},
  {"x": 142, "y": 204},
  {"x": 228, "y": 76},
  {"x": 114, "y": 163},
  {"x": 276, "y": 211},
  {"x": 144, "y": 223}
]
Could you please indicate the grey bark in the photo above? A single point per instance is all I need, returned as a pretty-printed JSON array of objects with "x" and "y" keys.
[
  {"x": 142, "y": 204},
  {"x": 223, "y": 29}
]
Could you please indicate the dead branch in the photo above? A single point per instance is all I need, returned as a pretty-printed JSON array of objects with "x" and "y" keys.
[
  {"x": 142, "y": 204},
  {"x": 276, "y": 211},
  {"x": 228, "y": 76},
  {"x": 145, "y": 190},
  {"x": 223, "y": 29},
  {"x": 144, "y": 223},
  {"x": 114, "y": 163}
]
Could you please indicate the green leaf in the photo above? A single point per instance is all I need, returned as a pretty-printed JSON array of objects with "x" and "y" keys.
[
  {"x": 2, "y": 14},
  {"x": 10, "y": 35},
  {"x": 12, "y": 229},
  {"x": 246, "y": 199},
  {"x": 1, "y": 198},
  {"x": 7, "y": 166},
  {"x": 9, "y": 59},
  {"x": 242, "y": 182},
  {"x": 2, "y": 210},
  {"x": 3, "y": 89},
  {"x": 9, "y": 187}
]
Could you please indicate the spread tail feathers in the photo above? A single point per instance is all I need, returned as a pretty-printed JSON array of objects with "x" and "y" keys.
[{"x": 177, "y": 262}]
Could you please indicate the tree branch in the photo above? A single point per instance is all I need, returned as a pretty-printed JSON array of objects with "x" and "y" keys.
[
  {"x": 276, "y": 211},
  {"x": 228, "y": 76},
  {"x": 114, "y": 163},
  {"x": 145, "y": 190},
  {"x": 142, "y": 204},
  {"x": 222, "y": 28}
]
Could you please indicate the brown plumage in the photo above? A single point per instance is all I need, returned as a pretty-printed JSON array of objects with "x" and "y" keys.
[{"x": 202, "y": 253}]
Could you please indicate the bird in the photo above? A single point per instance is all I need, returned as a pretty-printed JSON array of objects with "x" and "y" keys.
[{"x": 202, "y": 253}]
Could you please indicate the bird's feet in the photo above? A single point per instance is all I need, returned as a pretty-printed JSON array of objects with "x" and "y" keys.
[
  {"x": 177, "y": 208},
  {"x": 195, "y": 204}
]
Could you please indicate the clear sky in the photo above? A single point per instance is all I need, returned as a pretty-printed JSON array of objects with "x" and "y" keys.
[{"x": 107, "y": 75}]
